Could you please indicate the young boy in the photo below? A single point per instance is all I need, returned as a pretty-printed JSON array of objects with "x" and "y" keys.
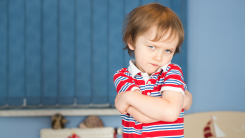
[{"x": 151, "y": 91}]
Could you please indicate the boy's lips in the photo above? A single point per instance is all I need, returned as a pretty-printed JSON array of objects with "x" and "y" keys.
[{"x": 154, "y": 64}]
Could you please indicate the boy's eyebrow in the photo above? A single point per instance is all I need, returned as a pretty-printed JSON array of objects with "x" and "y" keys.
[
  {"x": 172, "y": 49},
  {"x": 149, "y": 43},
  {"x": 152, "y": 44}
]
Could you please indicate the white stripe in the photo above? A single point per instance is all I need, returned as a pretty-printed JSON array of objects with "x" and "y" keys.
[
  {"x": 126, "y": 73},
  {"x": 124, "y": 87},
  {"x": 175, "y": 72},
  {"x": 130, "y": 130},
  {"x": 129, "y": 119},
  {"x": 174, "y": 81},
  {"x": 142, "y": 87},
  {"x": 156, "y": 94},
  {"x": 119, "y": 79},
  {"x": 149, "y": 87},
  {"x": 172, "y": 89}
]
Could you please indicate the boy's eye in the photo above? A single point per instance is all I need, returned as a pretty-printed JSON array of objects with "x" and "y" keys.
[
  {"x": 152, "y": 47},
  {"x": 168, "y": 51}
]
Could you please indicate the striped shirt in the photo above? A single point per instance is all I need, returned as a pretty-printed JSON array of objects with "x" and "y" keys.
[{"x": 168, "y": 77}]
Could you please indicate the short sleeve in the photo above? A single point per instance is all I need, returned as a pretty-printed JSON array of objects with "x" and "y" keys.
[
  {"x": 124, "y": 82},
  {"x": 174, "y": 80}
]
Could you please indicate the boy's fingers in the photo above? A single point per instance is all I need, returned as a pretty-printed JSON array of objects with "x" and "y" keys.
[{"x": 124, "y": 113}]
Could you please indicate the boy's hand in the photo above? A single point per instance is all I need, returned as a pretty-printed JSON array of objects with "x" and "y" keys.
[
  {"x": 187, "y": 100},
  {"x": 121, "y": 102}
]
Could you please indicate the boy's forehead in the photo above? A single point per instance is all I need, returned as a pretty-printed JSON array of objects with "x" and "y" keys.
[
  {"x": 149, "y": 37},
  {"x": 151, "y": 34}
]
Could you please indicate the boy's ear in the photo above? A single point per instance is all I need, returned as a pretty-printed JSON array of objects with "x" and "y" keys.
[
  {"x": 130, "y": 46},
  {"x": 130, "y": 43}
]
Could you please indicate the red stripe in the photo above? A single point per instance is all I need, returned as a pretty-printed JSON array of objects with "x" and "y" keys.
[
  {"x": 172, "y": 66},
  {"x": 179, "y": 120},
  {"x": 163, "y": 133},
  {"x": 123, "y": 82},
  {"x": 131, "y": 124}
]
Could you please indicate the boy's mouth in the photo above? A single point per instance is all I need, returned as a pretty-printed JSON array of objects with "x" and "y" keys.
[{"x": 154, "y": 64}]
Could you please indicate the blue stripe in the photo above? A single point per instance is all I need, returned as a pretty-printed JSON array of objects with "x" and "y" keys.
[
  {"x": 131, "y": 130},
  {"x": 129, "y": 119},
  {"x": 163, "y": 127},
  {"x": 154, "y": 76},
  {"x": 160, "y": 82},
  {"x": 149, "y": 87},
  {"x": 156, "y": 94},
  {"x": 175, "y": 72},
  {"x": 117, "y": 81},
  {"x": 139, "y": 77},
  {"x": 142, "y": 87},
  {"x": 128, "y": 74},
  {"x": 167, "y": 68},
  {"x": 181, "y": 115},
  {"x": 173, "y": 81},
  {"x": 125, "y": 87}
]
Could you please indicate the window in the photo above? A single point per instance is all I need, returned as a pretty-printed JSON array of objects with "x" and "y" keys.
[{"x": 57, "y": 53}]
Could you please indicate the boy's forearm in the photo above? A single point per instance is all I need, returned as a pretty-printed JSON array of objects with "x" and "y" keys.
[
  {"x": 137, "y": 115},
  {"x": 154, "y": 107}
]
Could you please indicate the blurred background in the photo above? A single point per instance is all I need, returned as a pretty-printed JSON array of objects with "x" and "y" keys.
[{"x": 60, "y": 53}]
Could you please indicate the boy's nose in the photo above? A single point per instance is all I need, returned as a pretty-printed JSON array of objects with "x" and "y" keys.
[{"x": 158, "y": 56}]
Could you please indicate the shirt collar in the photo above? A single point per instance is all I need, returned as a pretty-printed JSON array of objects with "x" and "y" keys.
[{"x": 134, "y": 70}]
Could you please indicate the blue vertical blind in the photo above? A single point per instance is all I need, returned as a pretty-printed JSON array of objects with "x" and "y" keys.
[{"x": 65, "y": 52}]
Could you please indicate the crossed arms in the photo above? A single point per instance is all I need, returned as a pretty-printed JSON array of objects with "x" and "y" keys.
[{"x": 147, "y": 109}]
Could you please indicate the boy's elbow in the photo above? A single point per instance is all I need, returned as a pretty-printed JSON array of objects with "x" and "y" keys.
[
  {"x": 170, "y": 115},
  {"x": 174, "y": 116}
]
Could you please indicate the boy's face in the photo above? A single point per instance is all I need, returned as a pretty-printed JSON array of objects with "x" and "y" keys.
[{"x": 149, "y": 55}]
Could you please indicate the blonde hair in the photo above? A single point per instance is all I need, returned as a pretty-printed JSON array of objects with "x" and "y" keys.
[{"x": 142, "y": 18}]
